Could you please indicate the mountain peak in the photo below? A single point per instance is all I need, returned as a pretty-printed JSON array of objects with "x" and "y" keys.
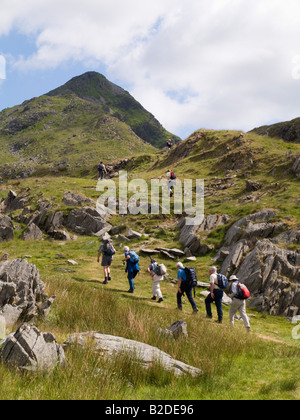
[
  {"x": 91, "y": 86},
  {"x": 94, "y": 87}
]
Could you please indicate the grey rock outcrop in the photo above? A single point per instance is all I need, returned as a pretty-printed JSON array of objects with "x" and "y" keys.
[
  {"x": 189, "y": 235},
  {"x": 22, "y": 293},
  {"x": 30, "y": 349},
  {"x": 6, "y": 228},
  {"x": 144, "y": 353},
  {"x": 85, "y": 221},
  {"x": 32, "y": 233},
  {"x": 76, "y": 200},
  {"x": 271, "y": 274},
  {"x": 296, "y": 167},
  {"x": 253, "y": 227},
  {"x": 176, "y": 330},
  {"x": 254, "y": 255}
]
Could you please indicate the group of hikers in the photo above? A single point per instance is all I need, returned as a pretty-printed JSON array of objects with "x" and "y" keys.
[
  {"x": 186, "y": 277},
  {"x": 187, "y": 281}
]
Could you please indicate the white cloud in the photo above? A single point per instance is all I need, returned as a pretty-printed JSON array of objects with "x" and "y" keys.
[{"x": 192, "y": 63}]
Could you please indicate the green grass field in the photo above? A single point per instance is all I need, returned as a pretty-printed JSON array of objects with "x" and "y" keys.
[{"x": 261, "y": 365}]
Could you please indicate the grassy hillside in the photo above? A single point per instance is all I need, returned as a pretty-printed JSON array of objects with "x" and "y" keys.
[
  {"x": 262, "y": 365},
  {"x": 51, "y": 134},
  {"x": 288, "y": 130},
  {"x": 112, "y": 99}
]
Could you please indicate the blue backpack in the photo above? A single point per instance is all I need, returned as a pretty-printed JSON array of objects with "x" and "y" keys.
[
  {"x": 222, "y": 281},
  {"x": 134, "y": 258}
]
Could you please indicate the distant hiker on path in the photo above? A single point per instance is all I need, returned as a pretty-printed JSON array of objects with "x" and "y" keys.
[
  {"x": 171, "y": 177},
  {"x": 132, "y": 267},
  {"x": 157, "y": 277},
  {"x": 184, "y": 288},
  {"x": 216, "y": 295},
  {"x": 239, "y": 293},
  {"x": 101, "y": 170},
  {"x": 169, "y": 145},
  {"x": 107, "y": 250}
]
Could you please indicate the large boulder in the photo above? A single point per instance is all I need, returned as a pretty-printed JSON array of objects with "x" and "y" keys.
[
  {"x": 190, "y": 234},
  {"x": 146, "y": 354},
  {"x": 30, "y": 349},
  {"x": 273, "y": 274},
  {"x": 85, "y": 221},
  {"x": 32, "y": 233},
  {"x": 22, "y": 293},
  {"x": 12, "y": 202},
  {"x": 253, "y": 227},
  {"x": 76, "y": 200},
  {"x": 296, "y": 167},
  {"x": 6, "y": 228}
]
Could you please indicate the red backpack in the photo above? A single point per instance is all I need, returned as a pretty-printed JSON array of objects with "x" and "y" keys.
[{"x": 242, "y": 292}]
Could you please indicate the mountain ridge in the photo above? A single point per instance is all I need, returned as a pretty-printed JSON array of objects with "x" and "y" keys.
[{"x": 94, "y": 87}]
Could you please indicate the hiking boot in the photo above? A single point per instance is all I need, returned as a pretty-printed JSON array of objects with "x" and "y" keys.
[
  {"x": 130, "y": 291},
  {"x": 208, "y": 317},
  {"x": 160, "y": 300},
  {"x": 153, "y": 298},
  {"x": 105, "y": 281},
  {"x": 195, "y": 310}
]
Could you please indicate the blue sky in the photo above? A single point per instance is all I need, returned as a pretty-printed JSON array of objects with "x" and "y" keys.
[{"x": 219, "y": 64}]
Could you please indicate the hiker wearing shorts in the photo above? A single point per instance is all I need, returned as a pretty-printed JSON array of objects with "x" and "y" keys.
[
  {"x": 107, "y": 250},
  {"x": 216, "y": 295},
  {"x": 156, "y": 279},
  {"x": 101, "y": 170}
]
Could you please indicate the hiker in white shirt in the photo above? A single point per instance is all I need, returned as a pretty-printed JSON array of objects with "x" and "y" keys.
[
  {"x": 156, "y": 279},
  {"x": 237, "y": 304}
]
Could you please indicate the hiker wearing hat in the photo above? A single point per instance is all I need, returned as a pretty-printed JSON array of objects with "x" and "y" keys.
[
  {"x": 239, "y": 293},
  {"x": 184, "y": 288},
  {"x": 156, "y": 279}
]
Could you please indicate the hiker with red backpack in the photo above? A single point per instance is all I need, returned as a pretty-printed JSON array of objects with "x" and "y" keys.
[
  {"x": 171, "y": 177},
  {"x": 239, "y": 294}
]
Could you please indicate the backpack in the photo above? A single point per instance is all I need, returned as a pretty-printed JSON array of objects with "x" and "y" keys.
[
  {"x": 222, "y": 281},
  {"x": 160, "y": 270},
  {"x": 100, "y": 167},
  {"x": 134, "y": 258},
  {"x": 242, "y": 292},
  {"x": 109, "y": 249},
  {"x": 173, "y": 176},
  {"x": 191, "y": 278}
]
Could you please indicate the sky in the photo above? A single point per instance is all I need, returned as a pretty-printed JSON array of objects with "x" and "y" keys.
[{"x": 215, "y": 64}]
